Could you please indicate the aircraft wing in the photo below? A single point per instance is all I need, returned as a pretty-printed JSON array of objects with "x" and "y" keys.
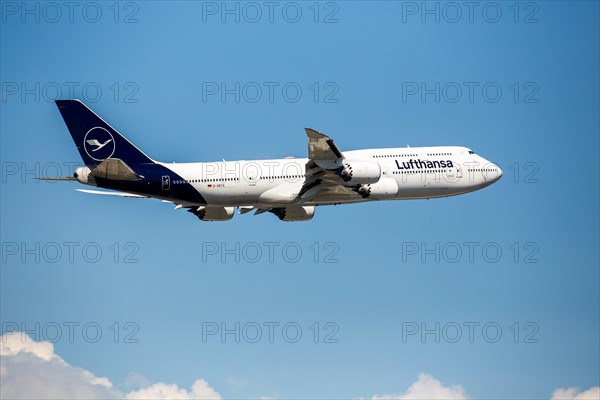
[
  {"x": 322, "y": 150},
  {"x": 322, "y": 183},
  {"x": 178, "y": 204}
]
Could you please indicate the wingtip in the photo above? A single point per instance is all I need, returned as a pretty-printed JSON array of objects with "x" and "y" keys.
[{"x": 310, "y": 132}]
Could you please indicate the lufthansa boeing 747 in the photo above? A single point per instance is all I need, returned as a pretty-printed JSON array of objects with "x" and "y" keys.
[{"x": 290, "y": 188}]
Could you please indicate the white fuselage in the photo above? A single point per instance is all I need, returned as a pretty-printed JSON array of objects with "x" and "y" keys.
[{"x": 419, "y": 172}]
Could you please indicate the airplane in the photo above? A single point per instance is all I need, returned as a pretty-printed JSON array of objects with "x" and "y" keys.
[{"x": 290, "y": 188}]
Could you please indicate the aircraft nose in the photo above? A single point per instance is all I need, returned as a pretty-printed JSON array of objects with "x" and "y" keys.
[
  {"x": 498, "y": 173},
  {"x": 492, "y": 173}
]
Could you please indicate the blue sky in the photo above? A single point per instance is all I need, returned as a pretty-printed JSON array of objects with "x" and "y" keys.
[{"x": 354, "y": 68}]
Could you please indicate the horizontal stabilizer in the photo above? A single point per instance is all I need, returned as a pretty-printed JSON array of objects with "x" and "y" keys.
[
  {"x": 116, "y": 170},
  {"x": 119, "y": 194},
  {"x": 58, "y": 178}
]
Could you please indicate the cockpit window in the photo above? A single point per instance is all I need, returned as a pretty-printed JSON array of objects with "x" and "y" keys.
[{"x": 471, "y": 152}]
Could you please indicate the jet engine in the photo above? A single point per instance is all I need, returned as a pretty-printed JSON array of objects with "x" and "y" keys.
[
  {"x": 303, "y": 213},
  {"x": 385, "y": 189},
  {"x": 360, "y": 172},
  {"x": 213, "y": 213}
]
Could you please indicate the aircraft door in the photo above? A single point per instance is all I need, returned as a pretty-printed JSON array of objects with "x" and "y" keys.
[{"x": 166, "y": 182}]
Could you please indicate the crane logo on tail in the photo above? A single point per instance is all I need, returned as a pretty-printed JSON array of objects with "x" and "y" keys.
[
  {"x": 96, "y": 143},
  {"x": 99, "y": 144}
]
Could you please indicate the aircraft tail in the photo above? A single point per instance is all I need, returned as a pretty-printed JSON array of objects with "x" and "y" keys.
[{"x": 95, "y": 139}]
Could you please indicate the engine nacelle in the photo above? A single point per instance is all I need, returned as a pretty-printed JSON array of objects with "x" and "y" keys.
[
  {"x": 214, "y": 213},
  {"x": 360, "y": 172},
  {"x": 84, "y": 175},
  {"x": 385, "y": 189},
  {"x": 303, "y": 213}
]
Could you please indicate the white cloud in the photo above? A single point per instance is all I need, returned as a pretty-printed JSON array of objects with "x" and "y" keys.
[
  {"x": 135, "y": 380},
  {"x": 200, "y": 390},
  {"x": 27, "y": 376},
  {"x": 31, "y": 369},
  {"x": 573, "y": 393},
  {"x": 13, "y": 344},
  {"x": 427, "y": 388}
]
